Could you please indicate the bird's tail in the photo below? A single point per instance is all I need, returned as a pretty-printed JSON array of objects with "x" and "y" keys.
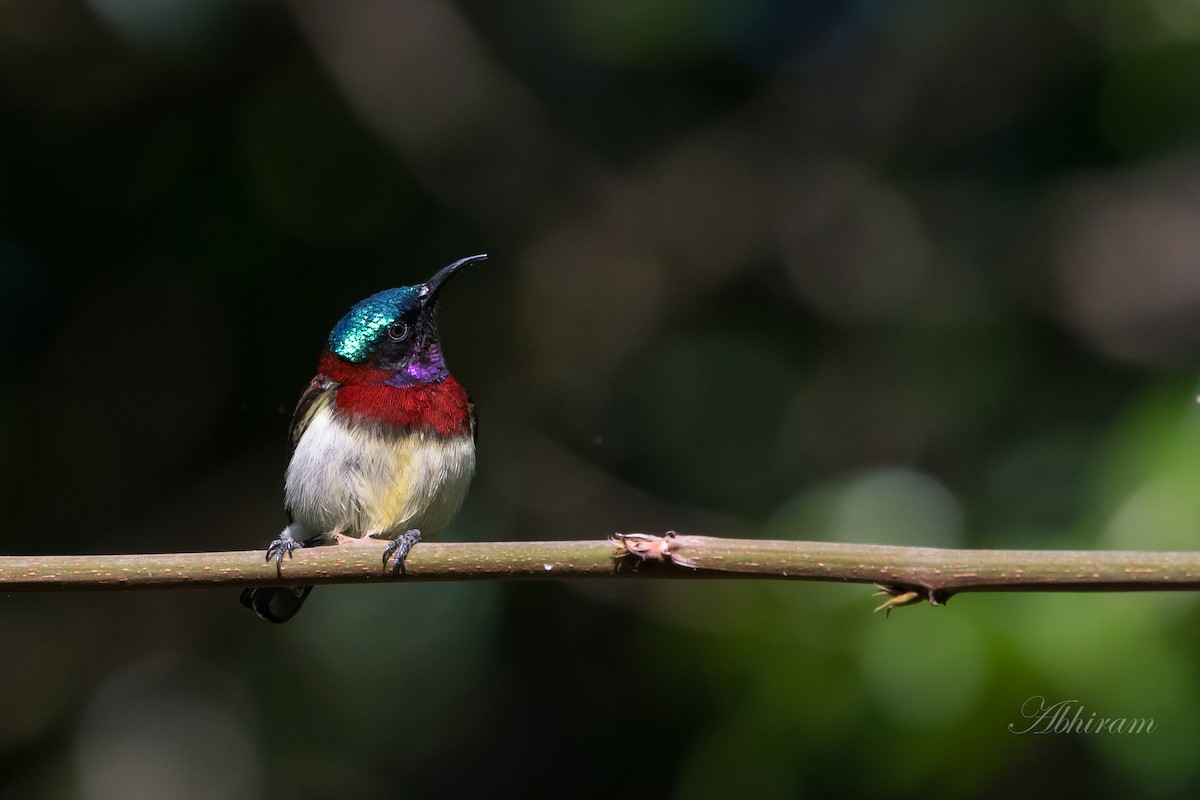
[{"x": 275, "y": 603}]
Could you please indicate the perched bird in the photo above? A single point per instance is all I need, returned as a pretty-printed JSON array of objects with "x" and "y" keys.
[{"x": 383, "y": 440}]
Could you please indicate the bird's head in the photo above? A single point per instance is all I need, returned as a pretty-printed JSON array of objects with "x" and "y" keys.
[{"x": 394, "y": 330}]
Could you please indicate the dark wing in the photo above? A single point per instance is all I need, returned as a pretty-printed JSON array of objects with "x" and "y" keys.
[{"x": 308, "y": 406}]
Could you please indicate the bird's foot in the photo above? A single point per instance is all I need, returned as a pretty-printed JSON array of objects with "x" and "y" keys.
[
  {"x": 397, "y": 550},
  {"x": 284, "y": 545}
]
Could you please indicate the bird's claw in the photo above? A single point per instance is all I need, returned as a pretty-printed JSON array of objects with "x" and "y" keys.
[
  {"x": 284, "y": 545},
  {"x": 397, "y": 550}
]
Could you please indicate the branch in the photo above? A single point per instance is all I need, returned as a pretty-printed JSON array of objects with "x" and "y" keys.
[{"x": 906, "y": 574}]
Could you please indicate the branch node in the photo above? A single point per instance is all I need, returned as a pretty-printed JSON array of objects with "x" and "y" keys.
[{"x": 644, "y": 546}]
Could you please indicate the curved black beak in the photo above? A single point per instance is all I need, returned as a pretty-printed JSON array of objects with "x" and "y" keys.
[{"x": 431, "y": 287}]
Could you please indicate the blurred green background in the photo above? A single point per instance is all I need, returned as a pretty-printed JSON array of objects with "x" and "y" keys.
[{"x": 912, "y": 273}]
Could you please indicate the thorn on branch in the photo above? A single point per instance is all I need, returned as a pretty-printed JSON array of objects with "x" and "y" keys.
[{"x": 899, "y": 596}]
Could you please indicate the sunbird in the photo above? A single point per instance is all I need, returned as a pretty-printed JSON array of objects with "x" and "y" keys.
[{"x": 383, "y": 439}]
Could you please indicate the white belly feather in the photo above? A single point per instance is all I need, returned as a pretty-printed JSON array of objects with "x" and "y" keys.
[{"x": 359, "y": 483}]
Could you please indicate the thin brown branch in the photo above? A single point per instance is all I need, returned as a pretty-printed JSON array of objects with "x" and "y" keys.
[{"x": 907, "y": 574}]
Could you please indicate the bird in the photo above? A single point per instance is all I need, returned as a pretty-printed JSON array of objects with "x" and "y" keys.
[{"x": 383, "y": 439}]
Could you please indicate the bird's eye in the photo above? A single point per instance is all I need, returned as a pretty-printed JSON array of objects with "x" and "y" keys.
[{"x": 397, "y": 331}]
